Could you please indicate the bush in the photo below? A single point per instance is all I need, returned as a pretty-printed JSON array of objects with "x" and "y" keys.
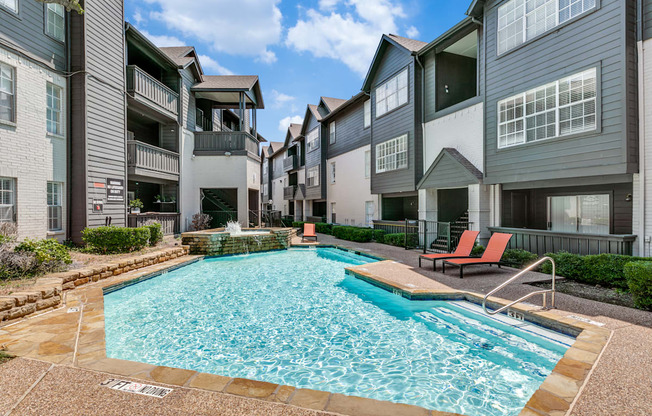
[
  {"x": 519, "y": 258},
  {"x": 324, "y": 228},
  {"x": 32, "y": 258},
  {"x": 298, "y": 224},
  {"x": 398, "y": 239},
  {"x": 379, "y": 235},
  {"x": 45, "y": 251},
  {"x": 201, "y": 222},
  {"x": 155, "y": 232},
  {"x": 477, "y": 250},
  {"x": 358, "y": 234},
  {"x": 639, "y": 281},
  {"x": 112, "y": 239}
]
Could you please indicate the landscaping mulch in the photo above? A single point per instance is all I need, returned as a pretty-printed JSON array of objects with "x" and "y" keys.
[{"x": 592, "y": 292}]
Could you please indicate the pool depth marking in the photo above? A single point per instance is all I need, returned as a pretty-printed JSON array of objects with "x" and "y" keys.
[{"x": 137, "y": 388}]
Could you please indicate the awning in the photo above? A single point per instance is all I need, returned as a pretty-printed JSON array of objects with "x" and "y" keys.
[{"x": 450, "y": 170}]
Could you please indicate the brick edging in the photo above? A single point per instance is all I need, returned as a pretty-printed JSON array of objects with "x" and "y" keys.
[{"x": 47, "y": 293}]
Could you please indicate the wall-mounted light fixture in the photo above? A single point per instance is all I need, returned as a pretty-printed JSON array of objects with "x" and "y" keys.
[
  {"x": 446, "y": 89},
  {"x": 628, "y": 198}
]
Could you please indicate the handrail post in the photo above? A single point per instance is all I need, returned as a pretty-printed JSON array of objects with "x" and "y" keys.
[
  {"x": 448, "y": 237},
  {"x": 425, "y": 235}
]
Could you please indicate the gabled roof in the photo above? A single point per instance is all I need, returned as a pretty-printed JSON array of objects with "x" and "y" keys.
[
  {"x": 331, "y": 104},
  {"x": 313, "y": 109},
  {"x": 185, "y": 56},
  {"x": 157, "y": 53},
  {"x": 449, "y": 170},
  {"x": 361, "y": 96},
  {"x": 235, "y": 82},
  {"x": 476, "y": 8},
  {"x": 295, "y": 130},
  {"x": 226, "y": 89},
  {"x": 271, "y": 148},
  {"x": 455, "y": 33},
  {"x": 409, "y": 46}
]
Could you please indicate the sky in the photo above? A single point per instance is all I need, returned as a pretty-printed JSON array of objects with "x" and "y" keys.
[{"x": 301, "y": 50}]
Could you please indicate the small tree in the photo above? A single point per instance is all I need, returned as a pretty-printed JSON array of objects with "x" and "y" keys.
[{"x": 68, "y": 4}]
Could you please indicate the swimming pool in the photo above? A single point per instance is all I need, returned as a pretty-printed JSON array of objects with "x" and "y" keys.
[{"x": 293, "y": 317}]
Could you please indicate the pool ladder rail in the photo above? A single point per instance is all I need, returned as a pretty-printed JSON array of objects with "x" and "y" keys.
[{"x": 529, "y": 295}]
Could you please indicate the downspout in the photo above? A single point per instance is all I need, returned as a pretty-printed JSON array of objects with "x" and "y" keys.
[
  {"x": 641, "y": 132},
  {"x": 68, "y": 131},
  {"x": 423, "y": 116}
]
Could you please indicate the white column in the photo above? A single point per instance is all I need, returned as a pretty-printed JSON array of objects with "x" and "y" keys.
[
  {"x": 428, "y": 204},
  {"x": 480, "y": 210}
]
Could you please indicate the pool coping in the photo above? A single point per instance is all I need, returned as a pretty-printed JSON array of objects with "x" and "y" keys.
[{"x": 555, "y": 395}]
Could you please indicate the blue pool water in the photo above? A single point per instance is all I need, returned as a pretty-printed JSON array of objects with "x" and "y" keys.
[{"x": 294, "y": 318}]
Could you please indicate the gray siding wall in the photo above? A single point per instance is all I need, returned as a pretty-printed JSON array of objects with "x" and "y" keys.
[
  {"x": 646, "y": 19},
  {"x": 313, "y": 158},
  {"x": 277, "y": 165},
  {"x": 350, "y": 133},
  {"x": 396, "y": 123},
  {"x": 105, "y": 104},
  {"x": 597, "y": 39},
  {"x": 26, "y": 31},
  {"x": 187, "y": 99},
  {"x": 169, "y": 136}
]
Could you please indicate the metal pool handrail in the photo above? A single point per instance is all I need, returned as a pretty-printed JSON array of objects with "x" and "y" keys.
[{"x": 538, "y": 292}]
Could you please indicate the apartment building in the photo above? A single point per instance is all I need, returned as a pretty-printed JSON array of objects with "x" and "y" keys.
[
  {"x": 294, "y": 163},
  {"x": 642, "y": 221}
]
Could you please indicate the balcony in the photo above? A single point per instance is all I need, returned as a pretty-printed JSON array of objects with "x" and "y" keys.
[
  {"x": 146, "y": 92},
  {"x": 225, "y": 143},
  {"x": 170, "y": 221},
  {"x": 151, "y": 162},
  {"x": 290, "y": 163},
  {"x": 289, "y": 191}
]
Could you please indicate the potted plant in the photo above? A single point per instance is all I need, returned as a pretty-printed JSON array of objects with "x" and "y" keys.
[
  {"x": 135, "y": 205},
  {"x": 157, "y": 199}
]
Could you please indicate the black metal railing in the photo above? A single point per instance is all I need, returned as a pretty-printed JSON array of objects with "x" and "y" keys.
[
  {"x": 290, "y": 163},
  {"x": 289, "y": 191},
  {"x": 170, "y": 221},
  {"x": 437, "y": 236}
]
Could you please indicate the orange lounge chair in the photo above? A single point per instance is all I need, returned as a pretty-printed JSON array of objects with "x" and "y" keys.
[
  {"x": 308, "y": 232},
  {"x": 463, "y": 249},
  {"x": 492, "y": 254}
]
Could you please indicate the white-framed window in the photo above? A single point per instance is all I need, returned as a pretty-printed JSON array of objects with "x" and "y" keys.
[
  {"x": 55, "y": 21},
  {"x": 312, "y": 139},
  {"x": 7, "y": 93},
  {"x": 522, "y": 20},
  {"x": 333, "y": 216},
  {"x": 55, "y": 197},
  {"x": 369, "y": 211},
  {"x": 367, "y": 114},
  {"x": 10, "y": 5},
  {"x": 312, "y": 176},
  {"x": 392, "y": 93},
  {"x": 265, "y": 189},
  {"x": 331, "y": 136},
  {"x": 7, "y": 200},
  {"x": 367, "y": 163},
  {"x": 392, "y": 154},
  {"x": 54, "y": 109},
  {"x": 563, "y": 107},
  {"x": 332, "y": 172},
  {"x": 587, "y": 214}
]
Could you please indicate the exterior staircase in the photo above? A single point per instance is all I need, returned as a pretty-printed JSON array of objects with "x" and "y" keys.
[{"x": 457, "y": 227}]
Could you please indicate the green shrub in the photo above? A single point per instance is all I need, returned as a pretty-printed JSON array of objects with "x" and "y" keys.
[
  {"x": 324, "y": 228},
  {"x": 155, "y": 233},
  {"x": 112, "y": 239},
  {"x": 477, "y": 250},
  {"x": 398, "y": 239},
  {"x": 518, "y": 258},
  {"x": 379, "y": 235},
  {"x": 46, "y": 251},
  {"x": 298, "y": 224},
  {"x": 570, "y": 266},
  {"x": 639, "y": 281},
  {"x": 358, "y": 234}
]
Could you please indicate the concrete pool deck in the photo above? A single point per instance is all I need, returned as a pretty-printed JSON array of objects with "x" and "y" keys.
[{"x": 62, "y": 360}]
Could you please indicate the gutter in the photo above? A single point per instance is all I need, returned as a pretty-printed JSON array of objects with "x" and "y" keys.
[{"x": 641, "y": 133}]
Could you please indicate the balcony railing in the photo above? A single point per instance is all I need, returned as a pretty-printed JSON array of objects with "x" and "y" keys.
[
  {"x": 169, "y": 221},
  {"x": 143, "y": 158},
  {"x": 290, "y": 163},
  {"x": 220, "y": 142},
  {"x": 144, "y": 85},
  {"x": 545, "y": 241},
  {"x": 289, "y": 191}
]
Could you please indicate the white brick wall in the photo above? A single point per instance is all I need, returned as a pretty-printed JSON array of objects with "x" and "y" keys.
[{"x": 27, "y": 153}]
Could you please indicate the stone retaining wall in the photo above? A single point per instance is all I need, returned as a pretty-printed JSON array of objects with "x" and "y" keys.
[
  {"x": 47, "y": 293},
  {"x": 220, "y": 243}
]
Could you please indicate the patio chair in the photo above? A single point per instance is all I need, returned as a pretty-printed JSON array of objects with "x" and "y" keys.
[
  {"x": 308, "y": 232},
  {"x": 463, "y": 249},
  {"x": 492, "y": 254}
]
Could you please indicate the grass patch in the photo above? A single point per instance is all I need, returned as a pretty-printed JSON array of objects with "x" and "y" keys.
[{"x": 4, "y": 357}]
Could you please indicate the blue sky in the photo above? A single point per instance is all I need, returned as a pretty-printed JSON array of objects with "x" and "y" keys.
[{"x": 300, "y": 49}]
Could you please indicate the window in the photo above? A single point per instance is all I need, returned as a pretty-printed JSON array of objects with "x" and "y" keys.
[
  {"x": 392, "y": 154},
  {"x": 312, "y": 139},
  {"x": 557, "y": 109},
  {"x": 332, "y": 172},
  {"x": 54, "y": 206},
  {"x": 579, "y": 214},
  {"x": 367, "y": 113},
  {"x": 265, "y": 189},
  {"x": 54, "y": 109},
  {"x": 7, "y": 200},
  {"x": 265, "y": 166},
  {"x": 10, "y": 4},
  {"x": 332, "y": 133},
  {"x": 369, "y": 210},
  {"x": 7, "y": 93},
  {"x": 522, "y": 20},
  {"x": 333, "y": 216},
  {"x": 312, "y": 176},
  {"x": 54, "y": 21},
  {"x": 367, "y": 163},
  {"x": 392, "y": 94}
]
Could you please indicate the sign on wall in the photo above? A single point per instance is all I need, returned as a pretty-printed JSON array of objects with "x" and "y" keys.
[
  {"x": 98, "y": 206},
  {"x": 115, "y": 190}
]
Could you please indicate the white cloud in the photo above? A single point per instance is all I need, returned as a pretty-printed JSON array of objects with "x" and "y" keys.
[
  {"x": 285, "y": 122},
  {"x": 138, "y": 17},
  {"x": 328, "y": 4},
  {"x": 213, "y": 66},
  {"x": 162, "y": 40},
  {"x": 412, "y": 32},
  {"x": 279, "y": 99},
  {"x": 245, "y": 27},
  {"x": 350, "y": 35}
]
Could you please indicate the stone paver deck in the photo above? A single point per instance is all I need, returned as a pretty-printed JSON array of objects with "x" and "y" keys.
[{"x": 63, "y": 359}]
